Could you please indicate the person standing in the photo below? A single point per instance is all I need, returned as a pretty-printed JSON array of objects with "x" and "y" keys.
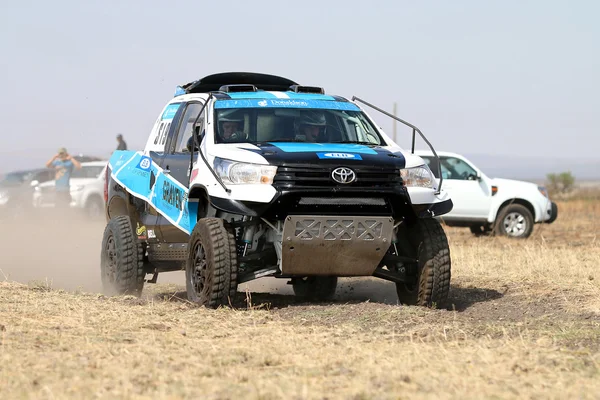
[
  {"x": 122, "y": 144},
  {"x": 63, "y": 164}
]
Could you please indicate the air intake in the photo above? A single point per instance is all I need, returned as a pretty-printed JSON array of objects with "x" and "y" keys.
[
  {"x": 307, "y": 89},
  {"x": 237, "y": 88}
]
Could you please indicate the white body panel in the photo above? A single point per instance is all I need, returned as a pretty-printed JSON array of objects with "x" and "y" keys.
[
  {"x": 473, "y": 199},
  {"x": 82, "y": 189}
]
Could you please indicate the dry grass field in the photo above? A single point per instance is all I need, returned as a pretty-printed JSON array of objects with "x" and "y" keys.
[{"x": 524, "y": 323}]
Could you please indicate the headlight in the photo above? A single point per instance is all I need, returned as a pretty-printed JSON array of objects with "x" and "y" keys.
[
  {"x": 418, "y": 176},
  {"x": 543, "y": 191},
  {"x": 236, "y": 173}
]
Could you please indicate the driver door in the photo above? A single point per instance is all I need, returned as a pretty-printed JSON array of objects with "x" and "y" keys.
[
  {"x": 470, "y": 195},
  {"x": 176, "y": 164}
]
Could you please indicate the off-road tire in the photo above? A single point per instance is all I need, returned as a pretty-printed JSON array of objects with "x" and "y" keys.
[
  {"x": 520, "y": 212},
  {"x": 217, "y": 274},
  {"x": 121, "y": 259},
  {"x": 430, "y": 246},
  {"x": 318, "y": 288}
]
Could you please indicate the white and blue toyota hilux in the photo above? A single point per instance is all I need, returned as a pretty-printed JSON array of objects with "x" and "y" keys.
[{"x": 249, "y": 175}]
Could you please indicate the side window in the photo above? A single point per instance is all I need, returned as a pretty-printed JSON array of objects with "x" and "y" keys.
[
  {"x": 44, "y": 176},
  {"x": 187, "y": 126},
  {"x": 433, "y": 166},
  {"x": 454, "y": 168}
]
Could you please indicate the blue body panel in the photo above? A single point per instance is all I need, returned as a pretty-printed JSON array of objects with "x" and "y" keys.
[{"x": 133, "y": 171}]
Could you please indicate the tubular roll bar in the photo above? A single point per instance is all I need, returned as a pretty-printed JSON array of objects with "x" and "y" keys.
[
  {"x": 197, "y": 142},
  {"x": 414, "y": 130}
]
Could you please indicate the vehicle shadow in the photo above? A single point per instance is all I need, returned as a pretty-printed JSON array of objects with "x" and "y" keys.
[{"x": 350, "y": 291}]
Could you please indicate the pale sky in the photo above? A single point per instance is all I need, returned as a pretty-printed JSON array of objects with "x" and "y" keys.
[{"x": 507, "y": 78}]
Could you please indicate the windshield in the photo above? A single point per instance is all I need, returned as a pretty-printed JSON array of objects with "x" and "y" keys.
[{"x": 256, "y": 125}]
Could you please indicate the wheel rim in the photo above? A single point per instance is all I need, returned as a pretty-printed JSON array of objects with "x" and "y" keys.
[
  {"x": 110, "y": 266},
  {"x": 199, "y": 278},
  {"x": 515, "y": 224}
]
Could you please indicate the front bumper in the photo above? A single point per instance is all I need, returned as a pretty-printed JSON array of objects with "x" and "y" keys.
[{"x": 553, "y": 212}]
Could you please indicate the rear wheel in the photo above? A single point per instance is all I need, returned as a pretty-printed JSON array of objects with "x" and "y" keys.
[
  {"x": 211, "y": 268},
  {"x": 432, "y": 284},
  {"x": 121, "y": 260},
  {"x": 515, "y": 221},
  {"x": 315, "y": 287}
]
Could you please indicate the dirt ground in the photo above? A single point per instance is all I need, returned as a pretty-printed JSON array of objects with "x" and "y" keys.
[{"x": 523, "y": 322}]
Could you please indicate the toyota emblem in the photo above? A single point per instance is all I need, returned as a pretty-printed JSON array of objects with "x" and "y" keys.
[{"x": 343, "y": 175}]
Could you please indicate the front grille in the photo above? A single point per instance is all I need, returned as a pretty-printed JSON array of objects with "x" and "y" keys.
[{"x": 316, "y": 176}]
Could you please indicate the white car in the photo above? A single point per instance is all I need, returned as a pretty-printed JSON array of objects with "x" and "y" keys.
[
  {"x": 490, "y": 205},
  {"x": 87, "y": 189}
]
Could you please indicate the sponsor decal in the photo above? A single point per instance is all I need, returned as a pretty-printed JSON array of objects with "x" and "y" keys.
[
  {"x": 141, "y": 231},
  {"x": 145, "y": 163},
  {"x": 344, "y": 156},
  {"x": 151, "y": 234},
  {"x": 172, "y": 195},
  {"x": 287, "y": 103},
  {"x": 170, "y": 111}
]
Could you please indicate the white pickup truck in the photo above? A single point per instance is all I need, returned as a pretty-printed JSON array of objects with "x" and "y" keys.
[{"x": 490, "y": 205}]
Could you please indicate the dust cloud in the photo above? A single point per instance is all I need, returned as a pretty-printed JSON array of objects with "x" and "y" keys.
[
  {"x": 57, "y": 249},
  {"x": 62, "y": 251}
]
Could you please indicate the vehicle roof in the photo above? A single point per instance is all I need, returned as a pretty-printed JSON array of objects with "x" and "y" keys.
[
  {"x": 214, "y": 82},
  {"x": 268, "y": 87}
]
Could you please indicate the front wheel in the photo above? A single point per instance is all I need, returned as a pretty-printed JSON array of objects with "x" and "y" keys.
[
  {"x": 515, "y": 221},
  {"x": 432, "y": 283},
  {"x": 211, "y": 268}
]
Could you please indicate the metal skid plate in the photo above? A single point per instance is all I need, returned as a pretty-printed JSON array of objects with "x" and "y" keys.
[{"x": 334, "y": 245}]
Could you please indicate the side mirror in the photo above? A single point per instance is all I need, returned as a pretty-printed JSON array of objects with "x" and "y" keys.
[
  {"x": 478, "y": 176},
  {"x": 190, "y": 141},
  {"x": 189, "y": 145},
  {"x": 34, "y": 183}
]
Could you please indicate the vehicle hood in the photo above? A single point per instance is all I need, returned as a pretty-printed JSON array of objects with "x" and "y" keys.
[
  {"x": 287, "y": 153},
  {"x": 514, "y": 183}
]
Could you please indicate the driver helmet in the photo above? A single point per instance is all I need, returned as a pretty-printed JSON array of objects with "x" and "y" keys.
[
  {"x": 312, "y": 118},
  {"x": 228, "y": 130}
]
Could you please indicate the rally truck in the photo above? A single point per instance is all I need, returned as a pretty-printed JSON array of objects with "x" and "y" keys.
[{"x": 249, "y": 175}]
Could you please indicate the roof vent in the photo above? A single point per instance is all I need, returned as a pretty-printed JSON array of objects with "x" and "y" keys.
[
  {"x": 307, "y": 89},
  {"x": 237, "y": 88}
]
